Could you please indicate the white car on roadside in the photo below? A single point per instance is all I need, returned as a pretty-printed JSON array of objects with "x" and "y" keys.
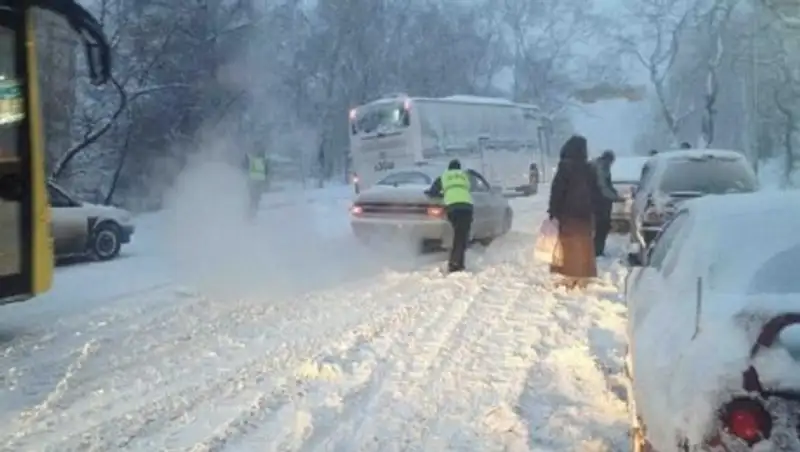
[
  {"x": 396, "y": 207},
  {"x": 714, "y": 328},
  {"x": 671, "y": 178},
  {"x": 83, "y": 229}
]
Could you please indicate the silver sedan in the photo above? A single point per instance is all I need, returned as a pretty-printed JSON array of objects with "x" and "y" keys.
[{"x": 397, "y": 207}]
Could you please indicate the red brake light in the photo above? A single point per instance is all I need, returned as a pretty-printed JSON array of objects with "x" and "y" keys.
[
  {"x": 744, "y": 424},
  {"x": 356, "y": 210},
  {"x": 747, "y": 419},
  {"x": 436, "y": 212}
]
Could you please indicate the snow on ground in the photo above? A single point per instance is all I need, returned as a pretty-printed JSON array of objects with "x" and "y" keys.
[{"x": 359, "y": 354}]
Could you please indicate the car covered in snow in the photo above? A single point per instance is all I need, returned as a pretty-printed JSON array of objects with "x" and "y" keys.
[
  {"x": 673, "y": 177},
  {"x": 714, "y": 328},
  {"x": 397, "y": 207},
  {"x": 84, "y": 229},
  {"x": 625, "y": 175}
]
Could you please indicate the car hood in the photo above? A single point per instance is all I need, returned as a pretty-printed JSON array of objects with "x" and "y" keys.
[
  {"x": 410, "y": 194},
  {"x": 107, "y": 212}
]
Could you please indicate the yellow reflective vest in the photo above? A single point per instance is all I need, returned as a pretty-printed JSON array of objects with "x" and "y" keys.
[
  {"x": 455, "y": 187},
  {"x": 258, "y": 168}
]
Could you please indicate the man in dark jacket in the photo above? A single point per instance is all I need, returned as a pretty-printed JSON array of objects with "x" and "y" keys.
[
  {"x": 606, "y": 196},
  {"x": 454, "y": 186}
]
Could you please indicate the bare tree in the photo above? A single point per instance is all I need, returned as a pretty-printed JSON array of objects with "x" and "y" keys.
[
  {"x": 656, "y": 47},
  {"x": 714, "y": 23}
]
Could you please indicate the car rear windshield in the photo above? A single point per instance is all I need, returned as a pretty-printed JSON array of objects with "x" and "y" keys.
[
  {"x": 406, "y": 178},
  {"x": 709, "y": 176}
]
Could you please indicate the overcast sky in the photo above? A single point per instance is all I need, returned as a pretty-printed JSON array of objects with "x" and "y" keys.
[{"x": 612, "y": 124}]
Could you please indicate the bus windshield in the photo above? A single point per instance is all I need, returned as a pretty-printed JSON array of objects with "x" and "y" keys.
[{"x": 384, "y": 117}]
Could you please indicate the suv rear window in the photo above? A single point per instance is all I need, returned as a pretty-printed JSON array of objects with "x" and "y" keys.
[{"x": 709, "y": 176}]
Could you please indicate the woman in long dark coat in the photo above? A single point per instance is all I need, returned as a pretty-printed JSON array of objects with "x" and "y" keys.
[{"x": 571, "y": 197}]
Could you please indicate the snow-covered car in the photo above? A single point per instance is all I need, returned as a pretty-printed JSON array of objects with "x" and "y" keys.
[
  {"x": 714, "y": 328},
  {"x": 84, "y": 229},
  {"x": 625, "y": 174},
  {"x": 397, "y": 206},
  {"x": 672, "y": 177}
]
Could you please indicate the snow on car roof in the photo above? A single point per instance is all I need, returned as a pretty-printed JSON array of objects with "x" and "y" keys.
[{"x": 689, "y": 153}]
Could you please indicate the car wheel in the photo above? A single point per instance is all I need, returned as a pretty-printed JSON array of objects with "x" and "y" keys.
[
  {"x": 508, "y": 221},
  {"x": 106, "y": 244}
]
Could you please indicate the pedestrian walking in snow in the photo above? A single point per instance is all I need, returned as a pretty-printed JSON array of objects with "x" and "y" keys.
[
  {"x": 605, "y": 196},
  {"x": 571, "y": 204}
]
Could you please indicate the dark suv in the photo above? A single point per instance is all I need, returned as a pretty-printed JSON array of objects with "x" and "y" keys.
[{"x": 673, "y": 177}]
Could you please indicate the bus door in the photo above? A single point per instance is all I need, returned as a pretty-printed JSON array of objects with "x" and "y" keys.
[{"x": 17, "y": 210}]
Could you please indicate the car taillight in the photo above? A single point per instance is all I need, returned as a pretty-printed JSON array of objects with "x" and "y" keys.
[
  {"x": 356, "y": 210},
  {"x": 436, "y": 212},
  {"x": 746, "y": 419}
]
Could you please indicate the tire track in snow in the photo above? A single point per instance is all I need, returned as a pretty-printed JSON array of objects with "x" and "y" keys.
[
  {"x": 337, "y": 358},
  {"x": 455, "y": 374},
  {"x": 371, "y": 364},
  {"x": 467, "y": 376},
  {"x": 114, "y": 423},
  {"x": 265, "y": 408},
  {"x": 437, "y": 321}
]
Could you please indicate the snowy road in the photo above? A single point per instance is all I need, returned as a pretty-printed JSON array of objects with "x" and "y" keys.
[{"x": 357, "y": 355}]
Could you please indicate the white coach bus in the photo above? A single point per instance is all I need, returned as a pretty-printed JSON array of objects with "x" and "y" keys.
[{"x": 496, "y": 136}]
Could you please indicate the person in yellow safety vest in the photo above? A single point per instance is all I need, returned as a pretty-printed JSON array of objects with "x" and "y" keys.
[
  {"x": 257, "y": 172},
  {"x": 454, "y": 186}
]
